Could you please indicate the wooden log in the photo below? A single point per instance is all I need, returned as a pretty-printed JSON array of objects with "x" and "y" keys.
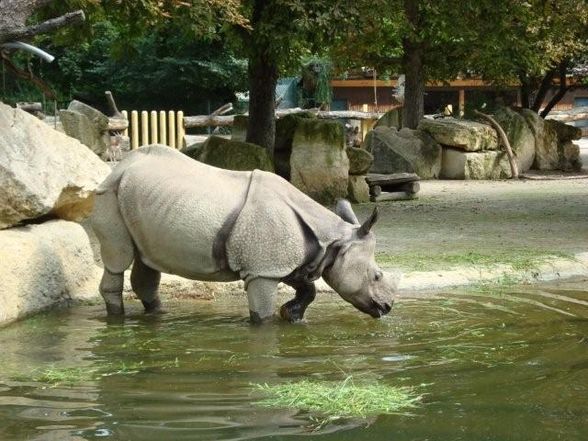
[
  {"x": 375, "y": 190},
  {"x": 114, "y": 112},
  {"x": 117, "y": 124},
  {"x": 393, "y": 196},
  {"x": 30, "y": 107},
  {"x": 410, "y": 187},
  {"x": 511, "y": 158},
  {"x": 223, "y": 121},
  {"x": 207, "y": 121},
  {"x": 575, "y": 114},
  {"x": 393, "y": 178}
]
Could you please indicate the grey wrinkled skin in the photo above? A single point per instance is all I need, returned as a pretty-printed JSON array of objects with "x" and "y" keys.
[{"x": 169, "y": 213}]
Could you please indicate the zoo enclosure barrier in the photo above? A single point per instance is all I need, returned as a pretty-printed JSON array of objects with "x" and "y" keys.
[{"x": 153, "y": 127}]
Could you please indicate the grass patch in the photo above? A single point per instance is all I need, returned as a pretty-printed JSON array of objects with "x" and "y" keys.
[
  {"x": 518, "y": 259},
  {"x": 339, "y": 399},
  {"x": 71, "y": 376}
]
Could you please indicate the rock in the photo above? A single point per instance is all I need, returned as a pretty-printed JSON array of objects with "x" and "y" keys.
[
  {"x": 404, "y": 151},
  {"x": 318, "y": 164},
  {"x": 86, "y": 124},
  {"x": 520, "y": 136},
  {"x": 43, "y": 172},
  {"x": 392, "y": 118},
  {"x": 358, "y": 190},
  {"x": 546, "y": 156},
  {"x": 569, "y": 157},
  {"x": 565, "y": 132},
  {"x": 44, "y": 265},
  {"x": 193, "y": 151},
  {"x": 285, "y": 128},
  {"x": 239, "y": 129},
  {"x": 490, "y": 164},
  {"x": 360, "y": 160},
  {"x": 465, "y": 135},
  {"x": 234, "y": 155}
]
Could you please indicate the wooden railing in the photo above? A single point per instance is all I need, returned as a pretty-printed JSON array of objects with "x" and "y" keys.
[{"x": 155, "y": 127}]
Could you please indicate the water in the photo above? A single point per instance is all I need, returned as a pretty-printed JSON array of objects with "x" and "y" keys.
[{"x": 491, "y": 366}]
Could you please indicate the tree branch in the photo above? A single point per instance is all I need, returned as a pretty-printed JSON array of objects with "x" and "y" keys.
[
  {"x": 29, "y": 76},
  {"x": 563, "y": 88},
  {"x": 546, "y": 84},
  {"x": 511, "y": 158},
  {"x": 44, "y": 27}
]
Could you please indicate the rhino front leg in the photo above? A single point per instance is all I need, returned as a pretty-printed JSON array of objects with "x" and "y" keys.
[
  {"x": 145, "y": 282},
  {"x": 293, "y": 310},
  {"x": 261, "y": 294},
  {"x": 111, "y": 287}
]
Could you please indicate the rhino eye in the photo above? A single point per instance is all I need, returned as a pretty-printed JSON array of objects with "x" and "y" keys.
[{"x": 378, "y": 276}]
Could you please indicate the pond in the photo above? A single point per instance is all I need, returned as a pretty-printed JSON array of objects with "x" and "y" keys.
[{"x": 506, "y": 364}]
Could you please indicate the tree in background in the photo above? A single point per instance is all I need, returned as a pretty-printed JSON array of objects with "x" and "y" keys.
[
  {"x": 534, "y": 42},
  {"x": 280, "y": 32}
]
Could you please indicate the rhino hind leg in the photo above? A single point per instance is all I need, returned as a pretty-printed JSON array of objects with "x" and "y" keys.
[
  {"x": 111, "y": 287},
  {"x": 116, "y": 249},
  {"x": 145, "y": 282},
  {"x": 294, "y": 309},
  {"x": 261, "y": 294}
]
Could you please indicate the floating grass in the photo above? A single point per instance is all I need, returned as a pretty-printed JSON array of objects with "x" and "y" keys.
[{"x": 339, "y": 399}]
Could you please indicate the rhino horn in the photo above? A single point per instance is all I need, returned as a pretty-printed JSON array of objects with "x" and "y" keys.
[
  {"x": 345, "y": 212},
  {"x": 368, "y": 224}
]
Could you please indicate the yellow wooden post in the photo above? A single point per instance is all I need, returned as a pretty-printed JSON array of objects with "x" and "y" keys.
[
  {"x": 461, "y": 102},
  {"x": 153, "y": 127},
  {"x": 181, "y": 130},
  {"x": 162, "y": 128},
  {"x": 171, "y": 125},
  {"x": 144, "y": 127},
  {"x": 134, "y": 129},
  {"x": 126, "y": 116}
]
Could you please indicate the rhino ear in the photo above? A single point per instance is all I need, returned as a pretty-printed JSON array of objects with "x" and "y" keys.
[
  {"x": 345, "y": 212},
  {"x": 368, "y": 224}
]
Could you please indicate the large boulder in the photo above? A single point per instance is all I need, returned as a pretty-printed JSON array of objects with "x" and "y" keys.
[
  {"x": 319, "y": 165},
  {"x": 44, "y": 265},
  {"x": 43, "y": 172},
  {"x": 87, "y": 125},
  {"x": 285, "y": 129},
  {"x": 392, "y": 118},
  {"x": 360, "y": 161},
  {"x": 565, "y": 132},
  {"x": 546, "y": 155},
  {"x": 358, "y": 189},
  {"x": 404, "y": 151},
  {"x": 462, "y": 134},
  {"x": 239, "y": 129},
  {"x": 569, "y": 157},
  {"x": 490, "y": 164},
  {"x": 233, "y": 155},
  {"x": 520, "y": 136}
]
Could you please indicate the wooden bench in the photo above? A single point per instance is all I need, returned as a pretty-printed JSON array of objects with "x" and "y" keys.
[{"x": 392, "y": 187}]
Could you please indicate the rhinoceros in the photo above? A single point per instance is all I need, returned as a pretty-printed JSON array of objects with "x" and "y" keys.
[{"x": 165, "y": 212}]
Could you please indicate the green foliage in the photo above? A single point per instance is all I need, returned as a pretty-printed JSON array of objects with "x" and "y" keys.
[
  {"x": 317, "y": 74},
  {"x": 161, "y": 69},
  {"x": 339, "y": 399}
]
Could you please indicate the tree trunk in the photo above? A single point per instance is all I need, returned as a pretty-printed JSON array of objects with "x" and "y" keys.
[
  {"x": 414, "y": 86},
  {"x": 546, "y": 84},
  {"x": 525, "y": 91},
  {"x": 263, "y": 78},
  {"x": 563, "y": 88}
]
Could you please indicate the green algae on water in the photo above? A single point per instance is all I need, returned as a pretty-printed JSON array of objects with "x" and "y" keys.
[{"x": 339, "y": 399}]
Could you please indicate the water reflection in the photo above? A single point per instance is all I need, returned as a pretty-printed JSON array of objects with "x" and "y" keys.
[{"x": 493, "y": 365}]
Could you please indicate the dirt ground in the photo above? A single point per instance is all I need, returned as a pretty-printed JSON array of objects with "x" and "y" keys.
[{"x": 496, "y": 219}]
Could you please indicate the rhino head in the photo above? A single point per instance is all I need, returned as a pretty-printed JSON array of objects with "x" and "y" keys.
[{"x": 353, "y": 273}]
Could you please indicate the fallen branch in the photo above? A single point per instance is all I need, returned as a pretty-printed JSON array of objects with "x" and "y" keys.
[
  {"x": 218, "y": 120},
  {"x": 511, "y": 157},
  {"x": 28, "y": 32}
]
